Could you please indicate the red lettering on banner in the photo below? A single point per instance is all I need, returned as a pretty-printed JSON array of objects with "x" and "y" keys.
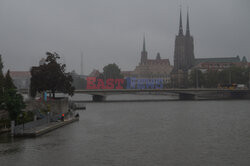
[
  {"x": 110, "y": 84},
  {"x": 91, "y": 83},
  {"x": 119, "y": 82},
  {"x": 100, "y": 84}
]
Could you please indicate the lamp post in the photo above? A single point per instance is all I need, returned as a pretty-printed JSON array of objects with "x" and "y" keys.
[
  {"x": 230, "y": 79},
  {"x": 22, "y": 117},
  {"x": 197, "y": 81}
]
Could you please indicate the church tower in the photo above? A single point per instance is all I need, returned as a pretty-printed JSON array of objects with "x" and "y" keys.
[
  {"x": 189, "y": 47},
  {"x": 183, "y": 55},
  {"x": 179, "y": 51},
  {"x": 144, "y": 54}
]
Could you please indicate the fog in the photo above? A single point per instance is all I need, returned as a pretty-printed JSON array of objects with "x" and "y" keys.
[{"x": 111, "y": 31}]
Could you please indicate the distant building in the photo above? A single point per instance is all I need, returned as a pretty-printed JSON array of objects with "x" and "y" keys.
[
  {"x": 184, "y": 59},
  {"x": 183, "y": 56},
  {"x": 21, "y": 79},
  {"x": 219, "y": 64},
  {"x": 79, "y": 81},
  {"x": 94, "y": 73},
  {"x": 151, "y": 68}
]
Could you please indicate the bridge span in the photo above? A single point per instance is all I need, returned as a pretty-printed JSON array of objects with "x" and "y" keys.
[{"x": 184, "y": 94}]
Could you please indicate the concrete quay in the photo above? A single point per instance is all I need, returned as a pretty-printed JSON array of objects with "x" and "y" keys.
[
  {"x": 45, "y": 128},
  {"x": 5, "y": 130}
]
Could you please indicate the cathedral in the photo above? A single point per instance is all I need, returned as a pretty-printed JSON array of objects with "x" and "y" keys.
[
  {"x": 183, "y": 56},
  {"x": 174, "y": 76},
  {"x": 184, "y": 61},
  {"x": 151, "y": 68}
]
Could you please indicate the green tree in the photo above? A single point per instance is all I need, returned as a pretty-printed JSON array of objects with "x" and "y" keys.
[
  {"x": 9, "y": 98},
  {"x": 51, "y": 76},
  {"x": 211, "y": 79},
  {"x": 248, "y": 77},
  {"x": 196, "y": 77},
  {"x": 13, "y": 103},
  {"x": 1, "y": 83},
  {"x": 1, "y": 64},
  {"x": 8, "y": 82},
  {"x": 112, "y": 71},
  {"x": 1, "y": 90},
  {"x": 239, "y": 75},
  {"x": 234, "y": 74}
]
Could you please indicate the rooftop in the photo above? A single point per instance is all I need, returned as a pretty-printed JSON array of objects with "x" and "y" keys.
[
  {"x": 221, "y": 60},
  {"x": 15, "y": 74}
]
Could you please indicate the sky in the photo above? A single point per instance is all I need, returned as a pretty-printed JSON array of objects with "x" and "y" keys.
[{"x": 111, "y": 31}]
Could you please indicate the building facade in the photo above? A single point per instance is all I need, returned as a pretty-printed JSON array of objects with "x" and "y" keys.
[
  {"x": 184, "y": 61},
  {"x": 183, "y": 56},
  {"x": 219, "y": 64},
  {"x": 21, "y": 79},
  {"x": 151, "y": 68}
]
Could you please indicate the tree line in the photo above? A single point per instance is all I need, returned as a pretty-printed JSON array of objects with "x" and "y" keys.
[
  {"x": 10, "y": 99},
  {"x": 51, "y": 77},
  {"x": 212, "y": 78}
]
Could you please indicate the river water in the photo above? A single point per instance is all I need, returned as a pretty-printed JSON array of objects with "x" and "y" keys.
[{"x": 174, "y": 133}]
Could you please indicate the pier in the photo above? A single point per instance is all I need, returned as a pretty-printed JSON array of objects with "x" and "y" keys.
[{"x": 40, "y": 130}]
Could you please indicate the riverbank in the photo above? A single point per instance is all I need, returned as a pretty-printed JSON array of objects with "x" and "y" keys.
[
  {"x": 38, "y": 131},
  {"x": 5, "y": 130}
]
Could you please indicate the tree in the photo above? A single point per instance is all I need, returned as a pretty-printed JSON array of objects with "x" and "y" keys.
[
  {"x": 8, "y": 82},
  {"x": 51, "y": 77},
  {"x": 13, "y": 103},
  {"x": 112, "y": 71},
  {"x": 234, "y": 74},
  {"x": 1, "y": 83},
  {"x": 1, "y": 64},
  {"x": 197, "y": 78},
  {"x": 211, "y": 79},
  {"x": 1, "y": 90},
  {"x": 238, "y": 75},
  {"x": 10, "y": 100}
]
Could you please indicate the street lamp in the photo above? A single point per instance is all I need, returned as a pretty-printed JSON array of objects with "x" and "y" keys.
[
  {"x": 230, "y": 79},
  {"x": 197, "y": 81},
  {"x": 22, "y": 117}
]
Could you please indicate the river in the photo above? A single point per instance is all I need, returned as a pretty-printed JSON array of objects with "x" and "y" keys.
[{"x": 174, "y": 133}]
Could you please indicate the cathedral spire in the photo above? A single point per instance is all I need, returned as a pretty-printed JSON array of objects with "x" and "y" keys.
[
  {"x": 187, "y": 29},
  {"x": 144, "y": 44},
  {"x": 180, "y": 25},
  {"x": 144, "y": 54}
]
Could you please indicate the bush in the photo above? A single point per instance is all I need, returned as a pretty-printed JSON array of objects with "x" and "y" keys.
[
  {"x": 26, "y": 117},
  {"x": 4, "y": 123}
]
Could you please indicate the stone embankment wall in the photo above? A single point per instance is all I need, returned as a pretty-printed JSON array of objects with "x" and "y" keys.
[
  {"x": 56, "y": 106},
  {"x": 3, "y": 114}
]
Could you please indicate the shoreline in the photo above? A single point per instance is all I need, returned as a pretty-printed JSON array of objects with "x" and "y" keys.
[{"x": 45, "y": 129}]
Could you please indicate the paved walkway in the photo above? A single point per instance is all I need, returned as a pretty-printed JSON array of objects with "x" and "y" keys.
[{"x": 37, "y": 131}]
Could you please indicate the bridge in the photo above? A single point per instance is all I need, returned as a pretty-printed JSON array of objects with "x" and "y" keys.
[{"x": 184, "y": 94}]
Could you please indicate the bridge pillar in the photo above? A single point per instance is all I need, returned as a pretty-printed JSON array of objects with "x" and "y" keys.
[
  {"x": 98, "y": 98},
  {"x": 186, "y": 96}
]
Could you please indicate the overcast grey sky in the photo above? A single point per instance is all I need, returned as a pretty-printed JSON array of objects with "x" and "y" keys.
[{"x": 111, "y": 31}]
